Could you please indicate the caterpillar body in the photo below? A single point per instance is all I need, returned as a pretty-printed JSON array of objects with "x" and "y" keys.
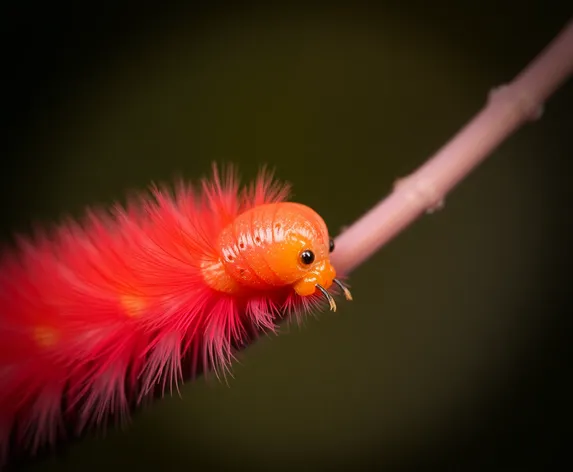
[{"x": 99, "y": 316}]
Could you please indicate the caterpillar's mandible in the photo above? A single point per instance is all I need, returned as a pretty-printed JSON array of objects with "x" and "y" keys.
[{"x": 96, "y": 316}]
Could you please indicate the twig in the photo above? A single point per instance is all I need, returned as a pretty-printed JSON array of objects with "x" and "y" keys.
[{"x": 424, "y": 191}]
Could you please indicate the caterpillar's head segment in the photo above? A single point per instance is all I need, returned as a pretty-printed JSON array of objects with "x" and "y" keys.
[
  {"x": 276, "y": 245},
  {"x": 320, "y": 277}
]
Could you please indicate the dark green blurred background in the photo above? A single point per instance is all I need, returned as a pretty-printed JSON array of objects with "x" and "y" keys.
[{"x": 455, "y": 351}]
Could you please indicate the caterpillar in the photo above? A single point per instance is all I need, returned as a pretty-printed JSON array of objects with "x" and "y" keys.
[{"x": 101, "y": 314}]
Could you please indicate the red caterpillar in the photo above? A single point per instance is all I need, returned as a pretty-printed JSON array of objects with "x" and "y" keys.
[{"x": 95, "y": 317}]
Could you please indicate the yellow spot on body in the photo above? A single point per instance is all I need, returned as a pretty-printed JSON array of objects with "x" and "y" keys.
[
  {"x": 45, "y": 336},
  {"x": 133, "y": 305}
]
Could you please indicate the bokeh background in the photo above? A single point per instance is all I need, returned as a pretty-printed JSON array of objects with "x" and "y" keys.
[{"x": 456, "y": 351}]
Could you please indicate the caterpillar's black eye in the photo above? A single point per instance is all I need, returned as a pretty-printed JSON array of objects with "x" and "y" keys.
[
  {"x": 307, "y": 257},
  {"x": 331, "y": 245}
]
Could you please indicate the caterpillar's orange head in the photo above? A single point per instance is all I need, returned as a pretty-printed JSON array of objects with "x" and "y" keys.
[
  {"x": 277, "y": 245},
  {"x": 303, "y": 258}
]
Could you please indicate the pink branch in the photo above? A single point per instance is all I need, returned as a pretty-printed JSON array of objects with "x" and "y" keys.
[{"x": 424, "y": 190}]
